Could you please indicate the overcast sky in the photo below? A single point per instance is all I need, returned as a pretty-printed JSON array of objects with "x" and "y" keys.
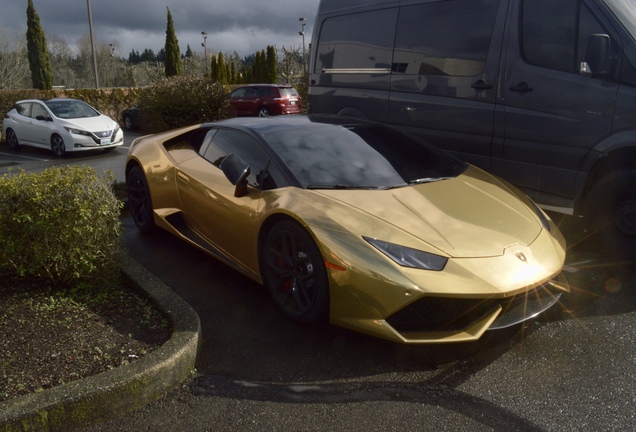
[{"x": 244, "y": 26}]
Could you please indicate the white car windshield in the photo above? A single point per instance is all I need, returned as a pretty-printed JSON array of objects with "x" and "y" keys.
[{"x": 70, "y": 109}]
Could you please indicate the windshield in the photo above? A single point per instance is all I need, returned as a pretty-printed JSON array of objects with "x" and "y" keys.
[
  {"x": 360, "y": 156},
  {"x": 70, "y": 109},
  {"x": 625, "y": 11}
]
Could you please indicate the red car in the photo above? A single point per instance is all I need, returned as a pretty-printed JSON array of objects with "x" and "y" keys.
[{"x": 263, "y": 100}]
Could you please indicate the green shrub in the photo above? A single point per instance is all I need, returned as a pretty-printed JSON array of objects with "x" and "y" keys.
[
  {"x": 60, "y": 225},
  {"x": 182, "y": 101}
]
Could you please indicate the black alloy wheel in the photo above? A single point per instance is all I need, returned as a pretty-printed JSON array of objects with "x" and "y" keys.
[
  {"x": 139, "y": 200},
  {"x": 57, "y": 145},
  {"x": 295, "y": 274},
  {"x": 12, "y": 140}
]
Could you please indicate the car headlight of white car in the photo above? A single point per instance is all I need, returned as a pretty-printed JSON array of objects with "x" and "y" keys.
[{"x": 75, "y": 131}]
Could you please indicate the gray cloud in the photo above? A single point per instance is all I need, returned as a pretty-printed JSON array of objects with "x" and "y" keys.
[{"x": 242, "y": 25}]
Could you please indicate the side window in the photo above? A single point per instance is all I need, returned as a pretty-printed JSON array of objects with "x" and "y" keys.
[
  {"x": 240, "y": 92},
  {"x": 24, "y": 108},
  {"x": 38, "y": 110},
  {"x": 357, "y": 41},
  {"x": 224, "y": 142},
  {"x": 448, "y": 38},
  {"x": 554, "y": 33}
]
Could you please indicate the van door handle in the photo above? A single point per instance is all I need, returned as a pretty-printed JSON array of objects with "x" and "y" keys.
[
  {"x": 481, "y": 85},
  {"x": 522, "y": 87}
]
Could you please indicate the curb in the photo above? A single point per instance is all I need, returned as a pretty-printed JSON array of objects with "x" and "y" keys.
[{"x": 110, "y": 394}]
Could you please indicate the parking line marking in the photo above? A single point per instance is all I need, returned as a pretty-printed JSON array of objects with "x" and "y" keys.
[{"x": 23, "y": 157}]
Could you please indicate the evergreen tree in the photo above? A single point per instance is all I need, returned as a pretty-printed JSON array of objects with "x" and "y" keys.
[
  {"x": 39, "y": 59},
  {"x": 213, "y": 69},
  {"x": 148, "y": 56},
  {"x": 172, "y": 55},
  {"x": 272, "y": 61},
  {"x": 233, "y": 79},
  {"x": 256, "y": 68},
  {"x": 221, "y": 73}
]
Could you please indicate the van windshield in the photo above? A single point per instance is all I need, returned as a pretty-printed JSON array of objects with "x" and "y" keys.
[{"x": 625, "y": 11}]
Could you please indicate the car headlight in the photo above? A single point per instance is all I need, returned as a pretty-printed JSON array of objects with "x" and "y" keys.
[
  {"x": 74, "y": 131},
  {"x": 408, "y": 257}
]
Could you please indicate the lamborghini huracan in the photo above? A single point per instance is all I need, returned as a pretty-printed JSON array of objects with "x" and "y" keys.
[{"x": 354, "y": 223}]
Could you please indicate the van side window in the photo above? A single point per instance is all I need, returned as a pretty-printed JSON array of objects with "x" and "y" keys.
[
  {"x": 554, "y": 33},
  {"x": 357, "y": 41},
  {"x": 448, "y": 38}
]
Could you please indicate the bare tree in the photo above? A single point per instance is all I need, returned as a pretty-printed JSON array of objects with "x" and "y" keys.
[
  {"x": 291, "y": 67},
  {"x": 14, "y": 64}
]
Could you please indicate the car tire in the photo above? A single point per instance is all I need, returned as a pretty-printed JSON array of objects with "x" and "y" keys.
[
  {"x": 128, "y": 122},
  {"x": 263, "y": 112},
  {"x": 294, "y": 272},
  {"x": 139, "y": 200},
  {"x": 57, "y": 146},
  {"x": 12, "y": 140},
  {"x": 610, "y": 212}
]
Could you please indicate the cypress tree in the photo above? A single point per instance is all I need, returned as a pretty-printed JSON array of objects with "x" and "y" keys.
[
  {"x": 213, "y": 69},
  {"x": 221, "y": 73},
  {"x": 173, "y": 56},
  {"x": 272, "y": 60},
  {"x": 39, "y": 59}
]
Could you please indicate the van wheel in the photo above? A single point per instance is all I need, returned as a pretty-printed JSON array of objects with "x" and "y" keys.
[
  {"x": 263, "y": 112},
  {"x": 611, "y": 212}
]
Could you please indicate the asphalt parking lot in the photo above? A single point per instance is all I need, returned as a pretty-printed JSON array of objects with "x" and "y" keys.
[{"x": 571, "y": 370}]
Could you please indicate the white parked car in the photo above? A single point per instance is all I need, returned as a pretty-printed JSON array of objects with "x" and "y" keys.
[{"x": 62, "y": 125}]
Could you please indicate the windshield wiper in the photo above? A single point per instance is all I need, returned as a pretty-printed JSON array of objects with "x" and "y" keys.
[
  {"x": 340, "y": 186},
  {"x": 428, "y": 180}
]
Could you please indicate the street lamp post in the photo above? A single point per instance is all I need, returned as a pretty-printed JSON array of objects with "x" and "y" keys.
[
  {"x": 302, "y": 33},
  {"x": 112, "y": 54},
  {"x": 90, "y": 28},
  {"x": 205, "y": 50}
]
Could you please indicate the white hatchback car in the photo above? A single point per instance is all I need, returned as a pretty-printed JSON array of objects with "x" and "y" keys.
[{"x": 62, "y": 125}]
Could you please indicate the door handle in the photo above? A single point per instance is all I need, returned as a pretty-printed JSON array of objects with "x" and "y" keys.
[
  {"x": 522, "y": 87},
  {"x": 481, "y": 85}
]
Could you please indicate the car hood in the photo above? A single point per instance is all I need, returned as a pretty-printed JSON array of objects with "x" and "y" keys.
[
  {"x": 472, "y": 215},
  {"x": 90, "y": 124}
]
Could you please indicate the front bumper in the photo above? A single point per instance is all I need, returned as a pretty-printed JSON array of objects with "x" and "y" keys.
[{"x": 432, "y": 319}]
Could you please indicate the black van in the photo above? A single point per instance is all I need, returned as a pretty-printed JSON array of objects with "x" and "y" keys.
[{"x": 539, "y": 92}]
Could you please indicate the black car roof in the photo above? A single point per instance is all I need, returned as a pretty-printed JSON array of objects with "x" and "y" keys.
[{"x": 264, "y": 125}]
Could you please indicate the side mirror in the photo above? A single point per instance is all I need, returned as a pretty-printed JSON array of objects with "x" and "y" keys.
[
  {"x": 596, "y": 58},
  {"x": 236, "y": 170},
  {"x": 43, "y": 118}
]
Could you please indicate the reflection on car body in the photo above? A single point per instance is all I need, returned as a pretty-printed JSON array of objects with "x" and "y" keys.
[
  {"x": 263, "y": 100},
  {"x": 436, "y": 261}
]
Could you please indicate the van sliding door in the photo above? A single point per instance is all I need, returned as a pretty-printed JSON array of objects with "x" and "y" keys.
[
  {"x": 352, "y": 64},
  {"x": 445, "y": 70}
]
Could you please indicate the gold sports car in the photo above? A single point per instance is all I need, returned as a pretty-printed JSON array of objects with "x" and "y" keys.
[{"x": 352, "y": 222}]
